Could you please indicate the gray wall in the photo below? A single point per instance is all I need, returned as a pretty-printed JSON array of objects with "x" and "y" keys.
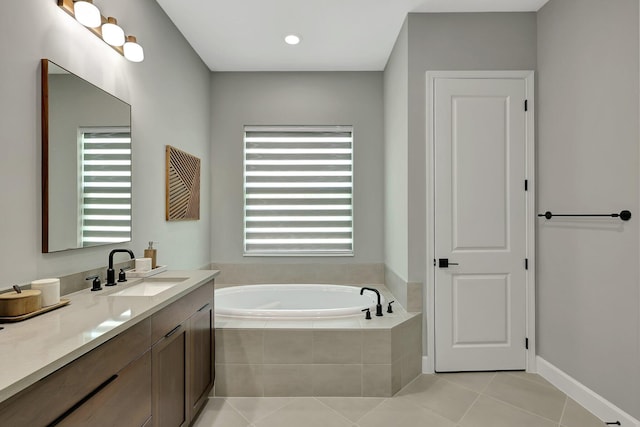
[
  {"x": 341, "y": 98},
  {"x": 454, "y": 41},
  {"x": 396, "y": 147},
  {"x": 169, "y": 94},
  {"x": 427, "y": 42},
  {"x": 587, "y": 273}
]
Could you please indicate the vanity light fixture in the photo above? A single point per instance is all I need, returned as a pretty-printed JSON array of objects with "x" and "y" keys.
[
  {"x": 87, "y": 13},
  {"x": 292, "y": 39},
  {"x": 106, "y": 28},
  {"x": 132, "y": 50},
  {"x": 112, "y": 33}
]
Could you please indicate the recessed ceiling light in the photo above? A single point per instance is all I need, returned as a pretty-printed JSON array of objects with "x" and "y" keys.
[{"x": 292, "y": 39}]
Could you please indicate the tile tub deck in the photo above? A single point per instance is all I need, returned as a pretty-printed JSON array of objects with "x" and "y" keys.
[{"x": 347, "y": 356}]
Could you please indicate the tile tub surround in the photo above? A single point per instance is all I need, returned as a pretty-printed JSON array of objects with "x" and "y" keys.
[
  {"x": 328, "y": 357},
  {"x": 408, "y": 294},
  {"x": 340, "y": 274}
]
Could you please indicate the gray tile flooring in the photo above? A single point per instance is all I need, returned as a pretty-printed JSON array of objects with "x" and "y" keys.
[{"x": 485, "y": 399}]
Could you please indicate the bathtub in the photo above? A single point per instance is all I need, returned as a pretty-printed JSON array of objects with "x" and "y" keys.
[{"x": 293, "y": 301}]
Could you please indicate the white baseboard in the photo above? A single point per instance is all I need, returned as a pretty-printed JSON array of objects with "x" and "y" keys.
[{"x": 596, "y": 404}]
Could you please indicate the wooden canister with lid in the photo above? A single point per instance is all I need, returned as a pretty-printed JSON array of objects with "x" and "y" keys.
[{"x": 17, "y": 304}]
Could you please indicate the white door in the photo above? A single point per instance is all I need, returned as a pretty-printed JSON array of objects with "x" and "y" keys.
[{"x": 480, "y": 224}]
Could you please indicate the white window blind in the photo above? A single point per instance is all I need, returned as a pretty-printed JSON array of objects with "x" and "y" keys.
[
  {"x": 106, "y": 185},
  {"x": 298, "y": 190}
]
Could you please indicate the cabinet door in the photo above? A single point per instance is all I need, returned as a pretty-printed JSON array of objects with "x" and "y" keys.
[
  {"x": 169, "y": 379},
  {"x": 125, "y": 399},
  {"x": 201, "y": 355}
]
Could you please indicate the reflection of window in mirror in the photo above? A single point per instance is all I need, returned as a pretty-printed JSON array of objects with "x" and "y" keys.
[{"x": 105, "y": 168}]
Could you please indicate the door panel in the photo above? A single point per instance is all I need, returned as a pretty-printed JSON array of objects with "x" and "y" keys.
[
  {"x": 480, "y": 224},
  {"x": 487, "y": 297},
  {"x": 474, "y": 143}
]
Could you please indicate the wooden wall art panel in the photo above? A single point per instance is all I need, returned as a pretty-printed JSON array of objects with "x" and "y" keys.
[{"x": 182, "y": 185}]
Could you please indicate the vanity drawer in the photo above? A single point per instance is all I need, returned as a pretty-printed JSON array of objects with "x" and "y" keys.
[
  {"x": 46, "y": 400},
  {"x": 173, "y": 315},
  {"x": 125, "y": 401}
]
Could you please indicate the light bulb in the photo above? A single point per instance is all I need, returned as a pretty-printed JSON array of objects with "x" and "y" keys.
[
  {"x": 292, "y": 39},
  {"x": 112, "y": 33},
  {"x": 132, "y": 50},
  {"x": 87, "y": 13}
]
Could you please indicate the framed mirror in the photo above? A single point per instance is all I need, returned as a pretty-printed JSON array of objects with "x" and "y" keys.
[{"x": 86, "y": 163}]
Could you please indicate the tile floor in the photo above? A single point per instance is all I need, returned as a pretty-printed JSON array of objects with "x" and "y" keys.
[{"x": 513, "y": 399}]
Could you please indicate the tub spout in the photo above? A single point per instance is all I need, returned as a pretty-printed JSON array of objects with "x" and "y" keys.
[{"x": 379, "y": 305}]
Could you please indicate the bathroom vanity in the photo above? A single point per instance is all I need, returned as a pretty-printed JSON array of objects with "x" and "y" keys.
[{"x": 134, "y": 355}]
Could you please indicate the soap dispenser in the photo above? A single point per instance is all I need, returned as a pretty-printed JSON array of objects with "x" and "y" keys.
[{"x": 150, "y": 252}]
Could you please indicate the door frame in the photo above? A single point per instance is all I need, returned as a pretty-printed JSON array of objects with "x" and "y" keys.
[{"x": 429, "y": 295}]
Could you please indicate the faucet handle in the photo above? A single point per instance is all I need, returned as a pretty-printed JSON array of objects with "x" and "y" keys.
[
  {"x": 96, "y": 283},
  {"x": 389, "y": 309},
  {"x": 122, "y": 277},
  {"x": 367, "y": 314}
]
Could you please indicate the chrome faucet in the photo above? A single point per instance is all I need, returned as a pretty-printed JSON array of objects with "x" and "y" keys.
[
  {"x": 379, "y": 305},
  {"x": 111, "y": 274}
]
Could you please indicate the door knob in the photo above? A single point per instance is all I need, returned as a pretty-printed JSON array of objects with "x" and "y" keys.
[{"x": 444, "y": 263}]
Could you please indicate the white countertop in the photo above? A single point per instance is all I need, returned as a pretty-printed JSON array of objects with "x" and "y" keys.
[{"x": 36, "y": 347}]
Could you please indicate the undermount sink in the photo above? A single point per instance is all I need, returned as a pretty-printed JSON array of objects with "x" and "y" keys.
[{"x": 148, "y": 288}]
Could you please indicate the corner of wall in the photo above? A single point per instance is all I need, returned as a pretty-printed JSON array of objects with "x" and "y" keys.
[{"x": 408, "y": 294}]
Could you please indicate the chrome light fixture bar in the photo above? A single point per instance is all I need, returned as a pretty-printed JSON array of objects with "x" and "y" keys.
[{"x": 107, "y": 29}]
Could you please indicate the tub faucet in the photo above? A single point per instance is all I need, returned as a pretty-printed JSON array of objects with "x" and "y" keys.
[
  {"x": 379, "y": 305},
  {"x": 111, "y": 273}
]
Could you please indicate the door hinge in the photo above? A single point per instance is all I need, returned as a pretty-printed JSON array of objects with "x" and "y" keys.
[
  {"x": 526, "y": 105},
  {"x": 526, "y": 263},
  {"x": 434, "y": 262},
  {"x": 526, "y": 343},
  {"x": 526, "y": 185}
]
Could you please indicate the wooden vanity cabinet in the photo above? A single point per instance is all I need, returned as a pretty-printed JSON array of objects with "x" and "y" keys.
[
  {"x": 182, "y": 358},
  {"x": 158, "y": 372},
  {"x": 92, "y": 389}
]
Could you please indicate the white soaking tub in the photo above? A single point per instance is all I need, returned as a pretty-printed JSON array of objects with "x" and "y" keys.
[{"x": 293, "y": 301}]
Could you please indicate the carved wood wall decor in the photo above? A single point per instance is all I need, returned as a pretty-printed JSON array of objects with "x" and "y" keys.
[{"x": 182, "y": 185}]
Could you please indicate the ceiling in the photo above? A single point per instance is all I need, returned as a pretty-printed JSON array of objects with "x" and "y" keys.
[{"x": 337, "y": 35}]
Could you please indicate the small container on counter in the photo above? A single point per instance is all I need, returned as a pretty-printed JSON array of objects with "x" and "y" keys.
[
  {"x": 50, "y": 289},
  {"x": 18, "y": 303},
  {"x": 143, "y": 264},
  {"x": 151, "y": 252}
]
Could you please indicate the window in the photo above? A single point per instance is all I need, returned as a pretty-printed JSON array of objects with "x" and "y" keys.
[
  {"x": 106, "y": 185},
  {"x": 298, "y": 186}
]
